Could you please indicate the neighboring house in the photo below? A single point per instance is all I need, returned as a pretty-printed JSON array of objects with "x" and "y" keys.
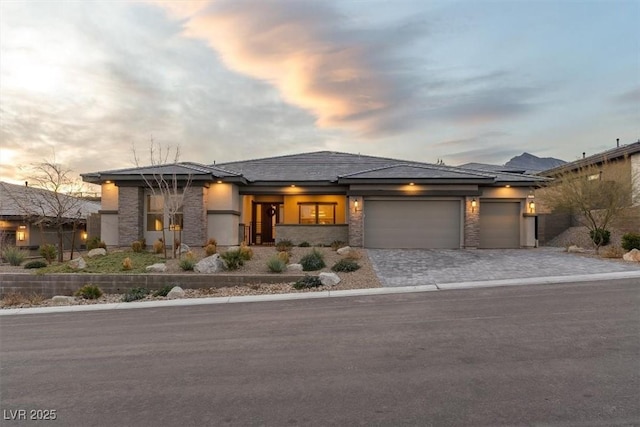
[
  {"x": 322, "y": 197},
  {"x": 22, "y": 207},
  {"x": 622, "y": 157}
]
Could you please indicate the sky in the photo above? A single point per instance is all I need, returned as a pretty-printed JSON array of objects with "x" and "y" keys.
[{"x": 88, "y": 82}]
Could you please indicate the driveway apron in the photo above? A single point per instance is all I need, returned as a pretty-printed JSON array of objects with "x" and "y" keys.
[{"x": 409, "y": 267}]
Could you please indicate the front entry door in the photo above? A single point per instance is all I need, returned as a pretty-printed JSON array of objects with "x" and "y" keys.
[{"x": 265, "y": 217}]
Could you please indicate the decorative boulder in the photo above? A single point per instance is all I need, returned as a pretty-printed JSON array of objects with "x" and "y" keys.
[
  {"x": 210, "y": 264},
  {"x": 175, "y": 292},
  {"x": 344, "y": 250},
  {"x": 294, "y": 267},
  {"x": 183, "y": 249},
  {"x": 575, "y": 249},
  {"x": 97, "y": 252},
  {"x": 329, "y": 279},
  {"x": 62, "y": 300},
  {"x": 157, "y": 268},
  {"x": 78, "y": 263},
  {"x": 633, "y": 255}
]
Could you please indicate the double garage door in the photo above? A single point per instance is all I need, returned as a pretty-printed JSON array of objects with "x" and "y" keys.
[
  {"x": 413, "y": 224},
  {"x": 437, "y": 224}
]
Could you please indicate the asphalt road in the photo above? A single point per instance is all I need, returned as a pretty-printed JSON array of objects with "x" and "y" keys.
[{"x": 534, "y": 355}]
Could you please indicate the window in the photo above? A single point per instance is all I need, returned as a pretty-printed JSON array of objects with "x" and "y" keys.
[
  {"x": 156, "y": 218},
  {"x": 317, "y": 213}
]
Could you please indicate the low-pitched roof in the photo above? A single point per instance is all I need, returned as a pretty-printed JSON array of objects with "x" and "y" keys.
[
  {"x": 595, "y": 159},
  {"x": 196, "y": 171},
  {"x": 17, "y": 200}
]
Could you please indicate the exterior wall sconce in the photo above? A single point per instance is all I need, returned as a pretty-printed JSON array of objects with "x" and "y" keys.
[
  {"x": 356, "y": 206},
  {"x": 84, "y": 235},
  {"x": 532, "y": 206},
  {"x": 474, "y": 204}
]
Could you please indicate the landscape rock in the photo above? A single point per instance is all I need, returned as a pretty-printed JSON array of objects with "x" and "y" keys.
[
  {"x": 344, "y": 250},
  {"x": 633, "y": 255},
  {"x": 97, "y": 252},
  {"x": 575, "y": 249},
  {"x": 329, "y": 279},
  {"x": 210, "y": 264},
  {"x": 157, "y": 268},
  {"x": 183, "y": 249},
  {"x": 78, "y": 263},
  {"x": 62, "y": 300},
  {"x": 294, "y": 267},
  {"x": 176, "y": 292}
]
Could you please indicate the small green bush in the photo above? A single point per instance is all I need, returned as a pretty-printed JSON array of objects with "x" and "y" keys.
[
  {"x": 276, "y": 264},
  {"x": 137, "y": 246},
  {"x": 312, "y": 261},
  {"x": 284, "y": 245},
  {"x": 35, "y": 264},
  {"x": 308, "y": 282},
  {"x": 337, "y": 244},
  {"x": 345, "y": 265},
  {"x": 13, "y": 255},
  {"x": 163, "y": 291},
  {"x": 187, "y": 263},
  {"x": 48, "y": 252},
  {"x": 95, "y": 242},
  {"x": 631, "y": 241},
  {"x": 304, "y": 244},
  {"x": 135, "y": 294},
  {"x": 600, "y": 236},
  {"x": 233, "y": 259},
  {"x": 89, "y": 292}
]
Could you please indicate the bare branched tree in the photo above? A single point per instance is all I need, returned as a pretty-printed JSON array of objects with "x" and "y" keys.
[
  {"x": 48, "y": 203},
  {"x": 163, "y": 181},
  {"x": 595, "y": 194}
]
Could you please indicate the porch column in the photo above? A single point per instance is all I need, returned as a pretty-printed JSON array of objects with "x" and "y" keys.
[
  {"x": 471, "y": 223},
  {"x": 194, "y": 213},
  {"x": 356, "y": 221}
]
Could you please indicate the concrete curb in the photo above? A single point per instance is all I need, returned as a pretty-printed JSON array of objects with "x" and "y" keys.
[{"x": 326, "y": 294}]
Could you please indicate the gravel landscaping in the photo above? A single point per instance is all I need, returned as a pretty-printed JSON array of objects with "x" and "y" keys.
[{"x": 365, "y": 277}]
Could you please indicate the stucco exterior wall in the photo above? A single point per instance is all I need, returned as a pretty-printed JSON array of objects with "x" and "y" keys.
[
  {"x": 109, "y": 197},
  {"x": 223, "y": 210},
  {"x": 635, "y": 179},
  {"x": 109, "y": 229}
]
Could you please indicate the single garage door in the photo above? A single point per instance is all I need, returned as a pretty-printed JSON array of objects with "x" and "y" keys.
[
  {"x": 432, "y": 224},
  {"x": 499, "y": 225}
]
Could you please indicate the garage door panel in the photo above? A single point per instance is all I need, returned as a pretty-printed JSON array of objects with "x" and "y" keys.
[
  {"x": 412, "y": 224},
  {"x": 499, "y": 225}
]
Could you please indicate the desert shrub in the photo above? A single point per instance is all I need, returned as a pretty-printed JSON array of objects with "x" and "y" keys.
[
  {"x": 337, "y": 244},
  {"x": 13, "y": 255},
  {"x": 210, "y": 249},
  {"x": 600, "y": 236},
  {"x": 137, "y": 246},
  {"x": 308, "y": 282},
  {"x": 345, "y": 265},
  {"x": 35, "y": 264},
  {"x": 48, "y": 252},
  {"x": 284, "y": 256},
  {"x": 187, "y": 263},
  {"x": 135, "y": 294},
  {"x": 246, "y": 252},
  {"x": 158, "y": 246},
  {"x": 211, "y": 241},
  {"x": 312, "y": 261},
  {"x": 276, "y": 264},
  {"x": 163, "y": 291},
  {"x": 631, "y": 241},
  {"x": 612, "y": 252},
  {"x": 89, "y": 292},
  {"x": 95, "y": 242},
  {"x": 13, "y": 298},
  {"x": 127, "y": 264},
  {"x": 304, "y": 244},
  {"x": 353, "y": 255},
  {"x": 284, "y": 245},
  {"x": 233, "y": 259}
]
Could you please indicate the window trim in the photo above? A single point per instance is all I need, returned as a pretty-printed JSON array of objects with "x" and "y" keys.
[{"x": 316, "y": 205}]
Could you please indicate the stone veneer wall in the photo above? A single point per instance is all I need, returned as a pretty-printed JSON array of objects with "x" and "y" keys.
[
  {"x": 356, "y": 222},
  {"x": 195, "y": 217},
  {"x": 130, "y": 211},
  {"x": 471, "y": 224},
  {"x": 314, "y": 234}
]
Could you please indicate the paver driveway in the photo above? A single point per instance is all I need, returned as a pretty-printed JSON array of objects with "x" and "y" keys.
[{"x": 408, "y": 267}]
